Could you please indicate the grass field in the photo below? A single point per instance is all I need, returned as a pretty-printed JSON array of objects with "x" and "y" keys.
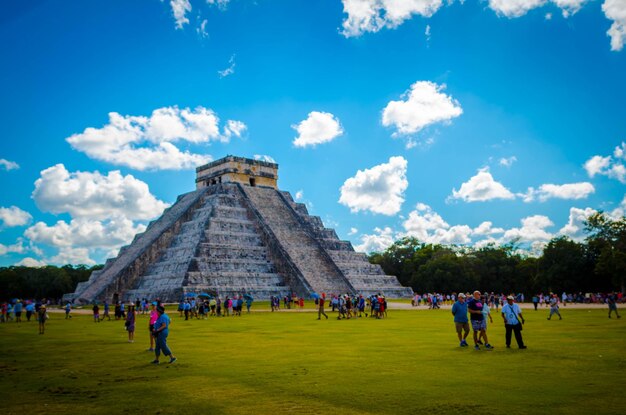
[{"x": 288, "y": 362}]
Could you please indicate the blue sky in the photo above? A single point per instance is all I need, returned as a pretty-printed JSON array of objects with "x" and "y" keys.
[{"x": 474, "y": 122}]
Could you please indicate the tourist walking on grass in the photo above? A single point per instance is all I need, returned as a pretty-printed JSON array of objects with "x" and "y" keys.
[
  {"x": 130, "y": 322},
  {"x": 486, "y": 315},
  {"x": 153, "y": 318},
  {"x": 68, "y": 309},
  {"x": 459, "y": 311},
  {"x": 611, "y": 300},
  {"x": 106, "y": 311},
  {"x": 554, "y": 307},
  {"x": 17, "y": 309},
  {"x": 30, "y": 309},
  {"x": 96, "y": 313},
  {"x": 513, "y": 321},
  {"x": 479, "y": 325},
  {"x": 42, "y": 316},
  {"x": 320, "y": 310},
  {"x": 160, "y": 332}
]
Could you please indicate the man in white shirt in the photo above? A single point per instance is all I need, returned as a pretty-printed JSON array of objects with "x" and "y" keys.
[{"x": 513, "y": 320}]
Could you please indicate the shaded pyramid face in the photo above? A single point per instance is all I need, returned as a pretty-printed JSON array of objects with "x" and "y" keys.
[{"x": 229, "y": 238}]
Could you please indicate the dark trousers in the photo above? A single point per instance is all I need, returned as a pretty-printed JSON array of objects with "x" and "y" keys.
[{"x": 517, "y": 328}]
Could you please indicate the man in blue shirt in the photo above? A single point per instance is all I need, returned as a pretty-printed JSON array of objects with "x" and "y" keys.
[
  {"x": 17, "y": 309},
  {"x": 475, "y": 308},
  {"x": 160, "y": 332},
  {"x": 459, "y": 311}
]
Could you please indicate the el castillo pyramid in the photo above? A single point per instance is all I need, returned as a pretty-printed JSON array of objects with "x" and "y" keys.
[{"x": 236, "y": 233}]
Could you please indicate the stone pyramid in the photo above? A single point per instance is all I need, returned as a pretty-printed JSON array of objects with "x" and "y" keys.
[{"x": 235, "y": 234}]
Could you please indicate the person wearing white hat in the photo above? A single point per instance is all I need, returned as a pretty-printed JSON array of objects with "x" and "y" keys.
[{"x": 513, "y": 320}]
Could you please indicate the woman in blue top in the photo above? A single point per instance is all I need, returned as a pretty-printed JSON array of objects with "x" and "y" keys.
[{"x": 160, "y": 332}]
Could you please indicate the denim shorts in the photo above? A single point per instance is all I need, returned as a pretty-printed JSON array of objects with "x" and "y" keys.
[{"x": 479, "y": 325}]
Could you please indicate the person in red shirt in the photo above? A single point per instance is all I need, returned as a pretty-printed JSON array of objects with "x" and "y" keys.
[{"x": 320, "y": 310}]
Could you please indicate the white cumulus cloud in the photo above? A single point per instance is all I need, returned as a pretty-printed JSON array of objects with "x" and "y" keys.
[
  {"x": 31, "y": 262},
  {"x": 8, "y": 165},
  {"x": 423, "y": 221},
  {"x": 234, "y": 129},
  {"x": 85, "y": 233},
  {"x": 14, "y": 216},
  {"x": 95, "y": 196},
  {"x": 615, "y": 10},
  {"x": 514, "y": 8},
  {"x": 575, "y": 226},
  {"x": 69, "y": 255},
  {"x": 373, "y": 15},
  {"x": 480, "y": 188},
  {"x": 533, "y": 229},
  {"x": 379, "y": 189},
  {"x": 610, "y": 166},
  {"x": 423, "y": 105},
  {"x": 573, "y": 191},
  {"x": 428, "y": 226},
  {"x": 518, "y": 8},
  {"x": 380, "y": 240},
  {"x": 17, "y": 247},
  {"x": 318, "y": 128},
  {"x": 145, "y": 143},
  {"x": 486, "y": 228}
]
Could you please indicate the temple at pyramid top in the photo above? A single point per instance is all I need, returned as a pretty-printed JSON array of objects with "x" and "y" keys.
[
  {"x": 232, "y": 169},
  {"x": 237, "y": 233}
]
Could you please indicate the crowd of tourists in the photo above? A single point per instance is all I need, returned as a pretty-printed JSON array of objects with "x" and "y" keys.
[
  {"x": 352, "y": 306},
  {"x": 214, "y": 306}
]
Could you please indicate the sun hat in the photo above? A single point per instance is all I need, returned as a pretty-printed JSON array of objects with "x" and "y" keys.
[
  {"x": 510, "y": 297},
  {"x": 462, "y": 295}
]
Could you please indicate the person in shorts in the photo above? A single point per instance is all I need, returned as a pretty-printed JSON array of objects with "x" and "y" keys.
[
  {"x": 42, "y": 316},
  {"x": 154, "y": 315},
  {"x": 479, "y": 325},
  {"x": 554, "y": 307},
  {"x": 459, "y": 311}
]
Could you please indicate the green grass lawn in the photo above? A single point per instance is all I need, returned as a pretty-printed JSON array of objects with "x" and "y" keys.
[{"x": 291, "y": 363}]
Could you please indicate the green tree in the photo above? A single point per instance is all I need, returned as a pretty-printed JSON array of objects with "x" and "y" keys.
[
  {"x": 607, "y": 244},
  {"x": 564, "y": 266}
]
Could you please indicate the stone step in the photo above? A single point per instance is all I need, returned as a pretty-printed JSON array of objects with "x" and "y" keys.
[
  {"x": 360, "y": 268},
  {"x": 348, "y": 256},
  {"x": 240, "y": 266},
  {"x": 231, "y": 227},
  {"x": 374, "y": 280}
]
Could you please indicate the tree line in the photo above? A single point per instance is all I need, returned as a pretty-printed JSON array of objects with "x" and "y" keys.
[
  {"x": 43, "y": 282},
  {"x": 597, "y": 264}
]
